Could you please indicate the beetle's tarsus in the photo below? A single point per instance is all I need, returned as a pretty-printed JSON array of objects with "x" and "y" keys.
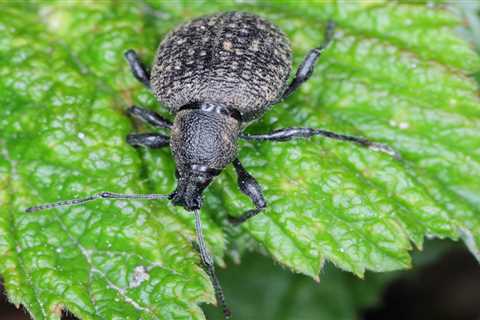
[
  {"x": 329, "y": 32},
  {"x": 244, "y": 217}
]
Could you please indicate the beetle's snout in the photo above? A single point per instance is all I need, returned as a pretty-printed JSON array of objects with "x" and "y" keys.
[
  {"x": 188, "y": 202},
  {"x": 189, "y": 193}
]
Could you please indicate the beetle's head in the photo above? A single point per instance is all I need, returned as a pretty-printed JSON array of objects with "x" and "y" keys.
[
  {"x": 203, "y": 141},
  {"x": 190, "y": 186}
]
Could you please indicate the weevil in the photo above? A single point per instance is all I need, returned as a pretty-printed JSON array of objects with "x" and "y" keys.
[{"x": 216, "y": 74}]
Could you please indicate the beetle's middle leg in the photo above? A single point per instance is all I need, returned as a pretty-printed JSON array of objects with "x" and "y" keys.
[
  {"x": 149, "y": 140},
  {"x": 139, "y": 70},
  {"x": 249, "y": 186},
  {"x": 150, "y": 117},
  {"x": 305, "y": 69}
]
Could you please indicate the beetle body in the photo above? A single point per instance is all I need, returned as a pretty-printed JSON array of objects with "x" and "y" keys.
[{"x": 216, "y": 73}]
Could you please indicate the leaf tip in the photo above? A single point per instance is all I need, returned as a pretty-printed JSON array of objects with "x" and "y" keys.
[
  {"x": 57, "y": 309},
  {"x": 470, "y": 241}
]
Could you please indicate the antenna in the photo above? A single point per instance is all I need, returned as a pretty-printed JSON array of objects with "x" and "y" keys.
[
  {"x": 209, "y": 266},
  {"x": 100, "y": 195}
]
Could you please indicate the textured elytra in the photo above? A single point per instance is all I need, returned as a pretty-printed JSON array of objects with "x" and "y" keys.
[{"x": 235, "y": 59}]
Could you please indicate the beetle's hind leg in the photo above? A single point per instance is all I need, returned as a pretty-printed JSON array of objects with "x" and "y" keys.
[
  {"x": 305, "y": 69},
  {"x": 249, "y": 186},
  {"x": 139, "y": 70}
]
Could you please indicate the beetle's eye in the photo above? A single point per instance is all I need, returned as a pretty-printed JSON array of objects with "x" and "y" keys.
[{"x": 201, "y": 179}]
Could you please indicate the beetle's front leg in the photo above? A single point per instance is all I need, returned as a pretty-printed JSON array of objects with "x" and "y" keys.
[{"x": 249, "y": 186}]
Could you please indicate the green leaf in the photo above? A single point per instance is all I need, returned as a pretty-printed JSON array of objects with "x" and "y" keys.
[{"x": 396, "y": 73}]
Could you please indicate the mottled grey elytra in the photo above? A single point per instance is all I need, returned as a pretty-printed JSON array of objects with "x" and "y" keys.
[
  {"x": 237, "y": 60},
  {"x": 215, "y": 74}
]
